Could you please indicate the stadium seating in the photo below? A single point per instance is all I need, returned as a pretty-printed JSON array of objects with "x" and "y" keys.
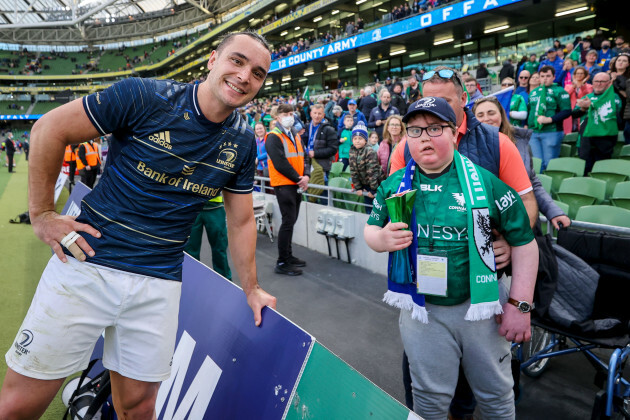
[
  {"x": 44, "y": 107},
  {"x": 571, "y": 139},
  {"x": 566, "y": 150},
  {"x": 612, "y": 171},
  {"x": 5, "y": 107},
  {"x": 564, "y": 167},
  {"x": 537, "y": 164},
  {"x": 621, "y": 141},
  {"x": 605, "y": 215},
  {"x": 621, "y": 195},
  {"x": 546, "y": 181},
  {"x": 624, "y": 153},
  {"x": 335, "y": 169},
  {"x": 581, "y": 191},
  {"x": 342, "y": 182}
]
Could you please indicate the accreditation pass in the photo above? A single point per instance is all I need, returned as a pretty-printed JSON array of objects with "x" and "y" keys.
[{"x": 431, "y": 277}]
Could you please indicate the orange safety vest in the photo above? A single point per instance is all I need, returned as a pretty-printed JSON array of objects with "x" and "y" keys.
[
  {"x": 294, "y": 154},
  {"x": 69, "y": 155},
  {"x": 91, "y": 156}
]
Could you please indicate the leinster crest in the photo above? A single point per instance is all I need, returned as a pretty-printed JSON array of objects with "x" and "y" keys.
[{"x": 483, "y": 237}]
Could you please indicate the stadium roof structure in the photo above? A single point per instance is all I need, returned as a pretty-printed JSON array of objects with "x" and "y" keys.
[{"x": 81, "y": 22}]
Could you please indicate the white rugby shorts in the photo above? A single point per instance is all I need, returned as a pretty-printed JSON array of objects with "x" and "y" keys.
[{"x": 76, "y": 302}]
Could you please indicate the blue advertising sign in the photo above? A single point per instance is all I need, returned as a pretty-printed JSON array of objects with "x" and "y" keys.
[
  {"x": 416, "y": 23},
  {"x": 224, "y": 367},
  {"x": 21, "y": 117}
]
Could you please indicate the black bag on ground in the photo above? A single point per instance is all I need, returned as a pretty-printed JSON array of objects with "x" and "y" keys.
[
  {"x": 21, "y": 218},
  {"x": 547, "y": 277},
  {"x": 90, "y": 399}
]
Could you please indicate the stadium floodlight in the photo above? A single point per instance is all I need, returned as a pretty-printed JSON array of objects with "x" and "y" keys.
[
  {"x": 464, "y": 44},
  {"x": 269, "y": 82},
  {"x": 317, "y": 19},
  {"x": 303, "y": 79},
  {"x": 571, "y": 11},
  {"x": 382, "y": 10},
  {"x": 309, "y": 72},
  {"x": 350, "y": 69},
  {"x": 398, "y": 52},
  {"x": 418, "y": 54},
  {"x": 363, "y": 60},
  {"x": 443, "y": 41},
  {"x": 360, "y": 2},
  {"x": 377, "y": 4},
  {"x": 283, "y": 33},
  {"x": 578, "y": 19},
  {"x": 297, "y": 28},
  {"x": 496, "y": 29},
  {"x": 378, "y": 63},
  {"x": 286, "y": 78},
  {"x": 519, "y": 32},
  {"x": 334, "y": 12},
  {"x": 332, "y": 67}
]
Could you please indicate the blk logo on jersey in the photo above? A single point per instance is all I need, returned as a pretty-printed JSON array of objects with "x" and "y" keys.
[
  {"x": 21, "y": 344},
  {"x": 430, "y": 188},
  {"x": 163, "y": 138}
]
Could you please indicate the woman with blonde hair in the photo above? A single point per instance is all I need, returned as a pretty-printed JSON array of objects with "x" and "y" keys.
[{"x": 393, "y": 132}]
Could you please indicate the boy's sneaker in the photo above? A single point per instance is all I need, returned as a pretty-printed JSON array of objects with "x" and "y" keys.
[
  {"x": 296, "y": 262},
  {"x": 287, "y": 269}
]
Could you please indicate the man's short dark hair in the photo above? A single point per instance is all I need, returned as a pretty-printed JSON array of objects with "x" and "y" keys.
[
  {"x": 545, "y": 69},
  {"x": 283, "y": 108},
  {"x": 226, "y": 39}
]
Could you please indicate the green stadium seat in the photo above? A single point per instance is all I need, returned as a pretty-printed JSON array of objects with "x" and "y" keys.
[
  {"x": 564, "y": 167},
  {"x": 621, "y": 141},
  {"x": 612, "y": 171},
  {"x": 624, "y": 153},
  {"x": 563, "y": 206},
  {"x": 565, "y": 150},
  {"x": 621, "y": 195},
  {"x": 545, "y": 180},
  {"x": 537, "y": 164},
  {"x": 581, "y": 191},
  {"x": 346, "y": 174},
  {"x": 342, "y": 182},
  {"x": 335, "y": 169},
  {"x": 605, "y": 215},
  {"x": 570, "y": 138}
]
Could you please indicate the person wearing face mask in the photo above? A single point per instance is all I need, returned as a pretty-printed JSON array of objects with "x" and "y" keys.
[
  {"x": 289, "y": 173},
  {"x": 604, "y": 55}
]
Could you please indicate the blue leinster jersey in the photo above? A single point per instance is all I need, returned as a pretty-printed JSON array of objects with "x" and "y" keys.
[{"x": 165, "y": 161}]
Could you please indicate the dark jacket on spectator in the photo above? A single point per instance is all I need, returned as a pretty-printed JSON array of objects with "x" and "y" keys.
[
  {"x": 378, "y": 114},
  {"x": 325, "y": 144},
  {"x": 365, "y": 169},
  {"x": 367, "y": 104}
]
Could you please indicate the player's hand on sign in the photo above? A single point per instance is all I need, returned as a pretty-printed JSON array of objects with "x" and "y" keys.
[
  {"x": 257, "y": 299},
  {"x": 53, "y": 229},
  {"x": 394, "y": 238}
]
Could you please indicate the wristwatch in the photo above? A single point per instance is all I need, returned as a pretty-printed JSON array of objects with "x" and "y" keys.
[{"x": 522, "y": 305}]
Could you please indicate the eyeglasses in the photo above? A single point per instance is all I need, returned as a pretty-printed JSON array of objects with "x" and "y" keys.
[
  {"x": 432, "y": 130},
  {"x": 523, "y": 77},
  {"x": 507, "y": 84},
  {"x": 601, "y": 81},
  {"x": 447, "y": 74}
]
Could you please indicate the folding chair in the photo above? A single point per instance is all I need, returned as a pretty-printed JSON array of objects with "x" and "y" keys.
[
  {"x": 612, "y": 171},
  {"x": 581, "y": 191},
  {"x": 564, "y": 167}
]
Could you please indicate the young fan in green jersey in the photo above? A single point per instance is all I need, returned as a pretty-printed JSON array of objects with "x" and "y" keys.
[{"x": 451, "y": 300}]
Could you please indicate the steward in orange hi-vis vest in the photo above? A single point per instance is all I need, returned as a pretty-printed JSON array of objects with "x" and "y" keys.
[{"x": 293, "y": 152}]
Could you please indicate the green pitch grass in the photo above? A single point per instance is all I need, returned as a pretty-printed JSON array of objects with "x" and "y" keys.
[{"x": 22, "y": 261}]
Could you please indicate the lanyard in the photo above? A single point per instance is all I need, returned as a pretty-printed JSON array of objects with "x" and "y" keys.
[
  {"x": 311, "y": 133},
  {"x": 431, "y": 217}
]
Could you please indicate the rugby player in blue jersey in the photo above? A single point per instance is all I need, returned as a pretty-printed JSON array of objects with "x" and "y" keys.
[{"x": 174, "y": 146}]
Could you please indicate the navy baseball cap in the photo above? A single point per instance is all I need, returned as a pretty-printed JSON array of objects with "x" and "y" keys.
[
  {"x": 352, "y": 102},
  {"x": 551, "y": 50},
  {"x": 432, "y": 105}
]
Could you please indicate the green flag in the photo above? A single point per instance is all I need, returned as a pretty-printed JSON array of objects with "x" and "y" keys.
[
  {"x": 541, "y": 106},
  {"x": 307, "y": 94},
  {"x": 602, "y": 115}
]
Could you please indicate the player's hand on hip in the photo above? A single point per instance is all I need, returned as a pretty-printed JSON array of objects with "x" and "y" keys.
[
  {"x": 257, "y": 299},
  {"x": 514, "y": 325},
  {"x": 394, "y": 238},
  {"x": 55, "y": 229}
]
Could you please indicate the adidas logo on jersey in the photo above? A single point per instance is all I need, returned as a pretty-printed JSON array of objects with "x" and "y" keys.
[{"x": 163, "y": 138}]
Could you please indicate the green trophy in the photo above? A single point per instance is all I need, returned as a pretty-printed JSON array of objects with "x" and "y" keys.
[{"x": 400, "y": 208}]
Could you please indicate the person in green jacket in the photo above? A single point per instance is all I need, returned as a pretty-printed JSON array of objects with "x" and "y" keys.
[
  {"x": 213, "y": 218},
  {"x": 345, "y": 140},
  {"x": 549, "y": 104}
]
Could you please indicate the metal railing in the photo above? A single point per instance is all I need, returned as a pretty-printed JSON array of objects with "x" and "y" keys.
[{"x": 264, "y": 186}]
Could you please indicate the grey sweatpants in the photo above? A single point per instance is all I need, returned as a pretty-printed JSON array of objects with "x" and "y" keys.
[{"x": 435, "y": 351}]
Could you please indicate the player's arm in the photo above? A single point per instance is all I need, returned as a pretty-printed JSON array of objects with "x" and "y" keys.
[
  {"x": 515, "y": 326},
  {"x": 242, "y": 240},
  {"x": 60, "y": 127}
]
